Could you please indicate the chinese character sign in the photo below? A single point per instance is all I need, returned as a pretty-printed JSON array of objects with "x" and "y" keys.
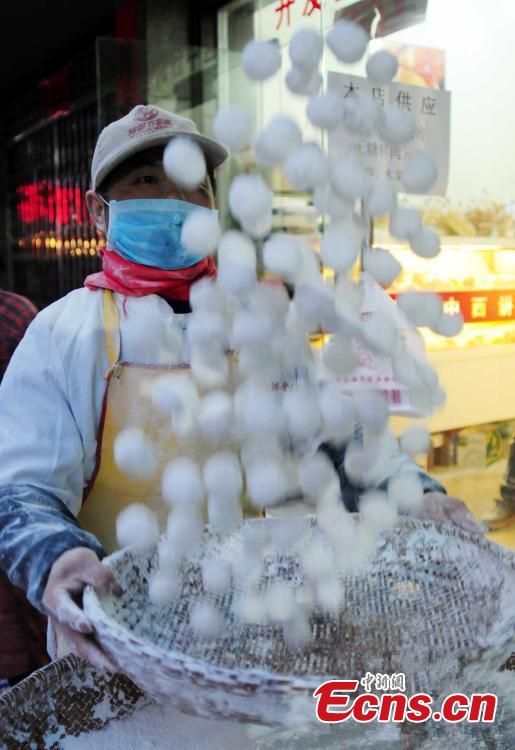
[
  {"x": 431, "y": 110},
  {"x": 484, "y": 306}
]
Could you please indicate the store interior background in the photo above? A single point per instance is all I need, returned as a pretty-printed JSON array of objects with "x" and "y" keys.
[{"x": 185, "y": 56}]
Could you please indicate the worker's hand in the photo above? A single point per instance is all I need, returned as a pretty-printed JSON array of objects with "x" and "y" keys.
[
  {"x": 441, "y": 507},
  {"x": 68, "y": 576}
]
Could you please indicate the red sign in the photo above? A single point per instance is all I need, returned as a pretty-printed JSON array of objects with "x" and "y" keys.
[{"x": 480, "y": 306}]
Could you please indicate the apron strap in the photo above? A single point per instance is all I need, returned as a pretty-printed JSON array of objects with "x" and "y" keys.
[{"x": 111, "y": 327}]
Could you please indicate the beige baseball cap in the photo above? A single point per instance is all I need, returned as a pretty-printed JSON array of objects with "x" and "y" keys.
[{"x": 146, "y": 126}]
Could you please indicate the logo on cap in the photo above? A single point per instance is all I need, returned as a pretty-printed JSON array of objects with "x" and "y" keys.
[{"x": 143, "y": 113}]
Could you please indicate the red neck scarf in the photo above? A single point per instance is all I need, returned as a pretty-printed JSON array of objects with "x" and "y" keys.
[{"x": 135, "y": 280}]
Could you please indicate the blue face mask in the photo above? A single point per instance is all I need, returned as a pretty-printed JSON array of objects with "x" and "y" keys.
[{"x": 148, "y": 231}]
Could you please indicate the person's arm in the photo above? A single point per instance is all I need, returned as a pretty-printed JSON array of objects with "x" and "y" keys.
[{"x": 41, "y": 482}]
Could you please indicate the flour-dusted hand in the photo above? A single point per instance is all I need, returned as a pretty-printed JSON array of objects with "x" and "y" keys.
[
  {"x": 440, "y": 507},
  {"x": 69, "y": 574}
]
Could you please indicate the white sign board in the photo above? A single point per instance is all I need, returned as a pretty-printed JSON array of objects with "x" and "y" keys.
[{"x": 432, "y": 111}]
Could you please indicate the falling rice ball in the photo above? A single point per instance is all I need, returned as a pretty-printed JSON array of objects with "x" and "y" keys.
[
  {"x": 184, "y": 529},
  {"x": 362, "y": 115},
  {"x": 405, "y": 223},
  {"x": 405, "y": 492},
  {"x": 216, "y": 416},
  {"x": 297, "y": 633},
  {"x": 340, "y": 246},
  {"x": 426, "y": 243},
  {"x": 421, "y": 308},
  {"x": 382, "y": 67},
  {"x": 282, "y": 256},
  {"x": 267, "y": 482},
  {"x": 207, "y": 329},
  {"x": 348, "y": 41},
  {"x": 207, "y": 295},
  {"x": 163, "y": 587},
  {"x": 415, "y": 439},
  {"x": 315, "y": 473},
  {"x": 277, "y": 141},
  {"x": 216, "y": 576},
  {"x": 182, "y": 483},
  {"x": 325, "y": 110},
  {"x": 377, "y": 511},
  {"x": 222, "y": 475},
  {"x": 137, "y": 525},
  {"x": 449, "y": 325},
  {"x": 258, "y": 410},
  {"x": 382, "y": 198},
  {"x": 419, "y": 172},
  {"x": 350, "y": 179},
  {"x": 305, "y": 49},
  {"x": 303, "y": 83},
  {"x": 249, "y": 197},
  {"x": 398, "y": 126},
  {"x": 135, "y": 454},
  {"x": 302, "y": 413},
  {"x": 236, "y": 263},
  {"x": 382, "y": 266},
  {"x": 372, "y": 409},
  {"x": 171, "y": 393},
  {"x": 260, "y": 60},
  {"x": 327, "y": 200},
  {"x": 250, "y": 608},
  {"x": 307, "y": 167},
  {"x": 252, "y": 329},
  {"x": 201, "y": 232},
  {"x": 233, "y": 126},
  {"x": 206, "y": 619},
  {"x": 280, "y": 602},
  {"x": 339, "y": 414},
  {"x": 339, "y": 356},
  {"x": 184, "y": 162}
]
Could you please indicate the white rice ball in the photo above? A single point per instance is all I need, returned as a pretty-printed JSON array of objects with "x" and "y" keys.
[
  {"x": 382, "y": 198},
  {"x": 200, "y": 232},
  {"x": 380, "y": 333},
  {"x": 382, "y": 67},
  {"x": 222, "y": 475},
  {"x": 339, "y": 414},
  {"x": 329, "y": 594},
  {"x": 256, "y": 538},
  {"x": 348, "y": 41},
  {"x": 135, "y": 454},
  {"x": 170, "y": 557},
  {"x": 250, "y": 198},
  {"x": 287, "y": 533},
  {"x": 314, "y": 304},
  {"x": 398, "y": 126},
  {"x": 233, "y": 126},
  {"x": 137, "y": 525},
  {"x": 426, "y": 243},
  {"x": 363, "y": 549},
  {"x": 325, "y": 110},
  {"x": 405, "y": 223},
  {"x": 350, "y": 179},
  {"x": 377, "y": 511},
  {"x": 362, "y": 115},
  {"x": 207, "y": 329},
  {"x": 382, "y": 266},
  {"x": 225, "y": 513},
  {"x": 314, "y": 474},
  {"x": 181, "y": 483},
  {"x": 237, "y": 263},
  {"x": 207, "y": 295},
  {"x": 307, "y": 167},
  {"x": 258, "y": 228},
  {"x": 206, "y": 619},
  {"x": 405, "y": 492},
  {"x": 251, "y": 329},
  {"x": 258, "y": 410},
  {"x": 303, "y": 83},
  {"x": 174, "y": 392},
  {"x": 216, "y": 576},
  {"x": 339, "y": 356},
  {"x": 297, "y": 634},
  {"x": 419, "y": 173},
  {"x": 340, "y": 246},
  {"x": 184, "y": 529},
  {"x": 415, "y": 439},
  {"x": 209, "y": 367},
  {"x": 260, "y": 60},
  {"x": 317, "y": 560},
  {"x": 305, "y": 49},
  {"x": 280, "y": 602},
  {"x": 250, "y": 608},
  {"x": 327, "y": 200},
  {"x": 422, "y": 308},
  {"x": 282, "y": 256},
  {"x": 163, "y": 587},
  {"x": 277, "y": 141},
  {"x": 302, "y": 413},
  {"x": 372, "y": 408},
  {"x": 268, "y": 482},
  {"x": 184, "y": 162},
  {"x": 449, "y": 325}
]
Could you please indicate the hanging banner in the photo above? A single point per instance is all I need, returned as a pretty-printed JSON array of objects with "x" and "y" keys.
[{"x": 430, "y": 108}]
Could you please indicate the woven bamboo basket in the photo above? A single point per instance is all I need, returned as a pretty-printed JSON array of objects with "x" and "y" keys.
[{"x": 436, "y": 603}]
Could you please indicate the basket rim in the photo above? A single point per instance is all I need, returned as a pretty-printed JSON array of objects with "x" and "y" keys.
[{"x": 193, "y": 666}]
